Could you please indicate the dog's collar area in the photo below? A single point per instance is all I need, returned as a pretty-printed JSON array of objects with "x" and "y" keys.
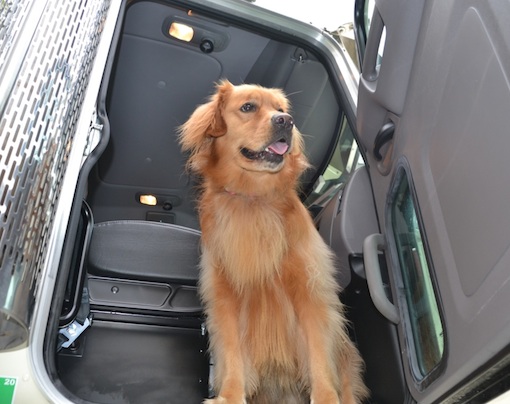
[
  {"x": 228, "y": 191},
  {"x": 232, "y": 193}
]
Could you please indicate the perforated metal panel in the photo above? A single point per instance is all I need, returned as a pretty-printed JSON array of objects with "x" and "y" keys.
[
  {"x": 12, "y": 16},
  {"x": 37, "y": 127}
]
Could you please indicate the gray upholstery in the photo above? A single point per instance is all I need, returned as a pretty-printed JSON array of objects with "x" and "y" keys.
[{"x": 141, "y": 250}]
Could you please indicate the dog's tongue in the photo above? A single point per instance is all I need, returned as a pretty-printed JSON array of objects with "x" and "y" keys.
[{"x": 279, "y": 147}]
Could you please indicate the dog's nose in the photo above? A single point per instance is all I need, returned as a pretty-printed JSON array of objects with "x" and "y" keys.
[{"x": 282, "y": 121}]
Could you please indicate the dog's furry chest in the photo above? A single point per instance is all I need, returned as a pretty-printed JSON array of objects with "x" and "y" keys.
[
  {"x": 248, "y": 240},
  {"x": 269, "y": 328}
]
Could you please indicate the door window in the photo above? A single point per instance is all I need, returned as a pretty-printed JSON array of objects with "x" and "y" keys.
[
  {"x": 424, "y": 328},
  {"x": 345, "y": 160}
]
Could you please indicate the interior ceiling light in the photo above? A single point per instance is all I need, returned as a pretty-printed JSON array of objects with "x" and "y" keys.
[
  {"x": 181, "y": 31},
  {"x": 146, "y": 199}
]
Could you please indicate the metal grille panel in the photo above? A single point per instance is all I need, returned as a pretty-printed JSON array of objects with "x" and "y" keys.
[
  {"x": 37, "y": 130},
  {"x": 12, "y": 17}
]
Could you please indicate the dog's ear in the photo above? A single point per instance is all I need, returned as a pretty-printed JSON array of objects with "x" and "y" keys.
[
  {"x": 299, "y": 161},
  {"x": 205, "y": 124},
  {"x": 206, "y": 121}
]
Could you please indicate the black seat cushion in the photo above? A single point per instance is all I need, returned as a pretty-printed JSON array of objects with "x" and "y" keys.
[{"x": 141, "y": 250}]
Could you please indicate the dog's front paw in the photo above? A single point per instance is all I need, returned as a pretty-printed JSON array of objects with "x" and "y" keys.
[
  {"x": 231, "y": 392},
  {"x": 224, "y": 400},
  {"x": 325, "y": 397}
]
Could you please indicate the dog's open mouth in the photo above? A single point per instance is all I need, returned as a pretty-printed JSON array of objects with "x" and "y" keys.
[{"x": 273, "y": 153}]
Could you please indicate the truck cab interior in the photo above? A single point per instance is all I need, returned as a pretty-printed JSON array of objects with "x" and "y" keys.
[{"x": 126, "y": 323}]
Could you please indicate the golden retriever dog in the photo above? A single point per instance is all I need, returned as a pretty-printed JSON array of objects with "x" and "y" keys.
[{"x": 276, "y": 325}]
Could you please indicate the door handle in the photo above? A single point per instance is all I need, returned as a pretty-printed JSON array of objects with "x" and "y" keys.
[
  {"x": 371, "y": 246},
  {"x": 384, "y": 135}
]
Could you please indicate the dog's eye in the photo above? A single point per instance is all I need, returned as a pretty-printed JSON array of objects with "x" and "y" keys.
[
  {"x": 248, "y": 107},
  {"x": 280, "y": 110}
]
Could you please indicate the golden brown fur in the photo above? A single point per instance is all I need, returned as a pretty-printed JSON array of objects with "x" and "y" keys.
[{"x": 277, "y": 331}]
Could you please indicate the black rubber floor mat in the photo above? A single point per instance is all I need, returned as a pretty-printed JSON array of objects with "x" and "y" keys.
[{"x": 127, "y": 363}]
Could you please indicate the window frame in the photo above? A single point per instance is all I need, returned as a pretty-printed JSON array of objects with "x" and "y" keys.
[{"x": 403, "y": 170}]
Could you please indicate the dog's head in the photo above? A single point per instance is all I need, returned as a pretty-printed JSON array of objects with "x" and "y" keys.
[{"x": 244, "y": 137}]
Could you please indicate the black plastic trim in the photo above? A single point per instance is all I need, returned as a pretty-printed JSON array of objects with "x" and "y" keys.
[
  {"x": 360, "y": 30},
  {"x": 75, "y": 282}
]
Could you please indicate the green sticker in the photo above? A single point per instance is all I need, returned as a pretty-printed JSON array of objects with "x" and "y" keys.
[{"x": 7, "y": 387}]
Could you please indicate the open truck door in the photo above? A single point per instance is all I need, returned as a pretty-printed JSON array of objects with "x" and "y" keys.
[{"x": 433, "y": 119}]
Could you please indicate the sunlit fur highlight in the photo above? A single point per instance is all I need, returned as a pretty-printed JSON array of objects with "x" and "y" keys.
[{"x": 276, "y": 325}]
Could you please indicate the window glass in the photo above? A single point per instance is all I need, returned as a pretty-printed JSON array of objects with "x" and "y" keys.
[
  {"x": 380, "y": 50},
  {"x": 345, "y": 160},
  {"x": 368, "y": 16},
  {"x": 423, "y": 324},
  {"x": 325, "y": 14},
  {"x": 333, "y": 16}
]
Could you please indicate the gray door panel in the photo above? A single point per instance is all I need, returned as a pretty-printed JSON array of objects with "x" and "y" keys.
[
  {"x": 383, "y": 86},
  {"x": 452, "y": 133}
]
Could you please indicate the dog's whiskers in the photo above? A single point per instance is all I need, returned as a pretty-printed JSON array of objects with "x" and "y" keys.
[{"x": 294, "y": 93}]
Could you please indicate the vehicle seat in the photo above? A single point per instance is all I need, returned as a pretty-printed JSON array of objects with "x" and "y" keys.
[{"x": 143, "y": 264}]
